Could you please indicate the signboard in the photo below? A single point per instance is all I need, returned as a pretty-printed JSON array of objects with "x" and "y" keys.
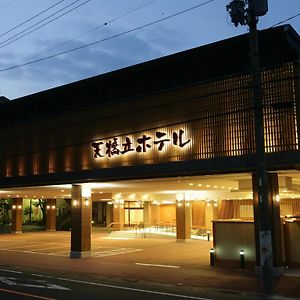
[{"x": 119, "y": 146}]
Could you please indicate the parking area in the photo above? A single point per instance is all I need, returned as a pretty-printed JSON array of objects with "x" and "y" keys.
[
  {"x": 136, "y": 261},
  {"x": 129, "y": 250},
  {"x": 36, "y": 244}
]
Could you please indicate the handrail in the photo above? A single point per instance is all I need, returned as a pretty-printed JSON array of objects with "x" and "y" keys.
[
  {"x": 134, "y": 226},
  {"x": 114, "y": 223}
]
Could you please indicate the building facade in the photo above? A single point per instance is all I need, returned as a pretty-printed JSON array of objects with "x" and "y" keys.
[{"x": 187, "y": 115}]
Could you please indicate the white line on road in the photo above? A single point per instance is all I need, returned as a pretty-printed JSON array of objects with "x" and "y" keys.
[
  {"x": 154, "y": 265},
  {"x": 49, "y": 248},
  {"x": 117, "y": 287},
  {"x": 133, "y": 289},
  {"x": 10, "y": 271}
]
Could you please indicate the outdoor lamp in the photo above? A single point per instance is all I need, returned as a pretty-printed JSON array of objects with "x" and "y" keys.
[
  {"x": 212, "y": 256},
  {"x": 48, "y": 206},
  {"x": 14, "y": 207},
  {"x": 19, "y": 206},
  {"x": 242, "y": 258},
  {"x": 208, "y": 235},
  {"x": 53, "y": 206},
  {"x": 75, "y": 202}
]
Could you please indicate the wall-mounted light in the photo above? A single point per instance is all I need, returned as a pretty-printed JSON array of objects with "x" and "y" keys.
[
  {"x": 277, "y": 198},
  {"x": 86, "y": 191},
  {"x": 119, "y": 203},
  {"x": 19, "y": 206},
  {"x": 48, "y": 206},
  {"x": 53, "y": 206},
  {"x": 75, "y": 202},
  {"x": 180, "y": 196},
  {"x": 86, "y": 202},
  {"x": 179, "y": 204},
  {"x": 14, "y": 207},
  {"x": 132, "y": 196},
  {"x": 156, "y": 202}
]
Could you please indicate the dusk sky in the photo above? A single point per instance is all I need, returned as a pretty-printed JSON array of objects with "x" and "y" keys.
[{"x": 87, "y": 24}]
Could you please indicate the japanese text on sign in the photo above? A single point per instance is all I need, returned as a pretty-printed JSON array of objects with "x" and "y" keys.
[{"x": 142, "y": 144}]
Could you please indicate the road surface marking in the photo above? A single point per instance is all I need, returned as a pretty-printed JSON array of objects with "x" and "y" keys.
[
  {"x": 21, "y": 246},
  {"x": 10, "y": 271},
  {"x": 154, "y": 265},
  {"x": 114, "y": 252},
  {"x": 118, "y": 287},
  {"x": 133, "y": 289},
  {"x": 39, "y": 275},
  {"x": 25, "y": 294},
  {"x": 50, "y": 248},
  {"x": 100, "y": 253},
  {"x": 292, "y": 274},
  {"x": 32, "y": 283}
]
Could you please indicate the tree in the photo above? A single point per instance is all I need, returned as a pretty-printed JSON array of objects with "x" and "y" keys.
[
  {"x": 5, "y": 208},
  {"x": 42, "y": 204}
]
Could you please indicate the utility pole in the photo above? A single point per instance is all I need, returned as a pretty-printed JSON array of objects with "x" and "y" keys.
[{"x": 240, "y": 14}]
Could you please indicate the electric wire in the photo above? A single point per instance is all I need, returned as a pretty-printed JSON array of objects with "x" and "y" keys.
[
  {"x": 108, "y": 38},
  {"x": 33, "y": 25},
  {"x": 288, "y": 19},
  {"x": 94, "y": 29},
  {"x": 32, "y": 18},
  {"x": 20, "y": 35}
]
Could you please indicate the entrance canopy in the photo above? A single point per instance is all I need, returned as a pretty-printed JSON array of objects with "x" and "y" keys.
[{"x": 162, "y": 190}]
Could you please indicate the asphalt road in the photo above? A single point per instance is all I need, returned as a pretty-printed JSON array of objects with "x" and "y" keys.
[{"x": 22, "y": 285}]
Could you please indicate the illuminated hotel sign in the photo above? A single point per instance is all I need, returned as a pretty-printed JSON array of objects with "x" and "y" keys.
[{"x": 113, "y": 147}]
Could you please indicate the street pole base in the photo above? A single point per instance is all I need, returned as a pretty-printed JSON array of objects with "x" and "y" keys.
[
  {"x": 80, "y": 254},
  {"x": 277, "y": 271}
]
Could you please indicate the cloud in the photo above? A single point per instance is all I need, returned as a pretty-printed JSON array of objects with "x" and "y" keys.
[{"x": 90, "y": 61}]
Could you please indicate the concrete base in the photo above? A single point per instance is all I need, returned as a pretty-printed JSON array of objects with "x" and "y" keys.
[
  {"x": 183, "y": 240},
  {"x": 78, "y": 254},
  {"x": 278, "y": 271}
]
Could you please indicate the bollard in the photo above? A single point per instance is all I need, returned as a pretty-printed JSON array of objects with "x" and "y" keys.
[
  {"x": 242, "y": 258},
  {"x": 212, "y": 257},
  {"x": 208, "y": 235}
]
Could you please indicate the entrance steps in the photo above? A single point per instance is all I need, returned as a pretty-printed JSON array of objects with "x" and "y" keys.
[
  {"x": 137, "y": 235},
  {"x": 126, "y": 234}
]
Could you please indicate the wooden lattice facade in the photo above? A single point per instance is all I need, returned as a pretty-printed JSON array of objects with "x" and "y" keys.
[{"x": 187, "y": 118}]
